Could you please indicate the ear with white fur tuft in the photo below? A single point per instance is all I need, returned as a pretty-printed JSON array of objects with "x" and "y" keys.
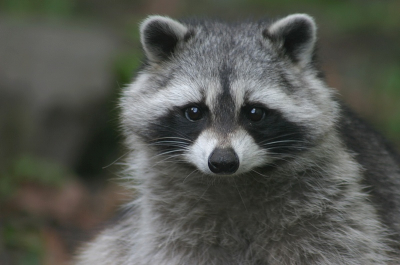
[
  {"x": 160, "y": 35},
  {"x": 295, "y": 35}
]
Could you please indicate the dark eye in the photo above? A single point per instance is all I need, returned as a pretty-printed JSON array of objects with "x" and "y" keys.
[
  {"x": 193, "y": 113},
  {"x": 255, "y": 114}
]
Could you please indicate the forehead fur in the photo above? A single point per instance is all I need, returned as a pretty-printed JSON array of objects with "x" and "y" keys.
[{"x": 220, "y": 56}]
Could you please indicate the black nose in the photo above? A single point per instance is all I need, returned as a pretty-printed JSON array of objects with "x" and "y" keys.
[{"x": 223, "y": 161}]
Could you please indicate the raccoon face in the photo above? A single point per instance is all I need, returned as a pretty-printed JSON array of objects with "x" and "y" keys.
[{"x": 228, "y": 99}]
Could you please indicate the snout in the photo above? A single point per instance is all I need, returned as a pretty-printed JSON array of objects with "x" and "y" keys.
[{"x": 223, "y": 161}]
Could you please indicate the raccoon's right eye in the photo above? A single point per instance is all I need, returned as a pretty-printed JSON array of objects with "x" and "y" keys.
[
  {"x": 193, "y": 113},
  {"x": 255, "y": 114}
]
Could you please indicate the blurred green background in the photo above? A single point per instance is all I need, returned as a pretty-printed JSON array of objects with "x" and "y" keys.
[{"x": 63, "y": 64}]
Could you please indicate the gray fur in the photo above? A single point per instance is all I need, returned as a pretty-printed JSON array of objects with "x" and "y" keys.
[{"x": 330, "y": 196}]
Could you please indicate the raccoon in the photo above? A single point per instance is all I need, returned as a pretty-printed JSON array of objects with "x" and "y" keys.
[{"x": 241, "y": 154}]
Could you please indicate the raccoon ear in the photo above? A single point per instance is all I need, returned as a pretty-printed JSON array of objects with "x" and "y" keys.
[
  {"x": 159, "y": 36},
  {"x": 295, "y": 35}
]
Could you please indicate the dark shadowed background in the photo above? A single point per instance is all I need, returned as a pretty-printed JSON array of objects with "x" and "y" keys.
[{"x": 63, "y": 64}]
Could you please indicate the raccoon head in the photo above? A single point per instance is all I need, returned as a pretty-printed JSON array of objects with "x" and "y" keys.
[{"x": 228, "y": 98}]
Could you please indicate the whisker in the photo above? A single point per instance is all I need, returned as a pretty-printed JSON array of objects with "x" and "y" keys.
[
  {"x": 116, "y": 160},
  {"x": 166, "y": 153},
  {"x": 277, "y": 137},
  {"x": 190, "y": 174},
  {"x": 208, "y": 186},
  {"x": 172, "y": 129},
  {"x": 169, "y": 143},
  {"x": 239, "y": 193},
  {"x": 171, "y": 138},
  {"x": 168, "y": 158},
  {"x": 259, "y": 173},
  {"x": 284, "y": 141}
]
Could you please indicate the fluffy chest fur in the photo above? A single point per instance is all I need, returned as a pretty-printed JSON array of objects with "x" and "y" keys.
[{"x": 254, "y": 220}]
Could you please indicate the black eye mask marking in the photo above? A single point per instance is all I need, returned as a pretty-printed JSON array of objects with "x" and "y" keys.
[
  {"x": 272, "y": 131},
  {"x": 178, "y": 129}
]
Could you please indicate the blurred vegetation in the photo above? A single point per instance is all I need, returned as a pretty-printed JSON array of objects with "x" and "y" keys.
[
  {"x": 24, "y": 243},
  {"x": 346, "y": 15},
  {"x": 20, "y": 230},
  {"x": 368, "y": 77},
  {"x": 56, "y": 8},
  {"x": 31, "y": 169}
]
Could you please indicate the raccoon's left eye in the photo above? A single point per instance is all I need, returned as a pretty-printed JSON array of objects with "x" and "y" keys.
[
  {"x": 255, "y": 113},
  {"x": 193, "y": 113}
]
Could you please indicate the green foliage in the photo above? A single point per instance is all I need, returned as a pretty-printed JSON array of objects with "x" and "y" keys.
[
  {"x": 352, "y": 16},
  {"x": 20, "y": 232},
  {"x": 23, "y": 241},
  {"x": 31, "y": 169},
  {"x": 53, "y": 8},
  {"x": 390, "y": 80},
  {"x": 127, "y": 63},
  {"x": 390, "y": 91},
  {"x": 336, "y": 15},
  {"x": 129, "y": 60}
]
